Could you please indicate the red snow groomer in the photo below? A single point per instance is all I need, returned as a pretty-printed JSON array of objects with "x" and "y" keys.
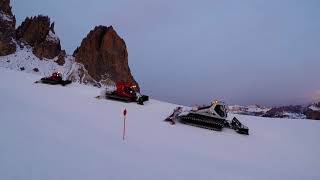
[
  {"x": 127, "y": 92},
  {"x": 55, "y": 78}
]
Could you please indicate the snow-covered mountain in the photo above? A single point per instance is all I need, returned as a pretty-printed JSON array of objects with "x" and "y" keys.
[
  {"x": 254, "y": 110},
  {"x": 311, "y": 111},
  {"x": 56, "y": 132},
  {"x": 24, "y": 60}
]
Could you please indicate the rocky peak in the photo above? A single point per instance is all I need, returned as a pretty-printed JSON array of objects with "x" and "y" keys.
[
  {"x": 104, "y": 55},
  {"x": 5, "y": 7},
  {"x": 7, "y": 29},
  {"x": 34, "y": 30},
  {"x": 38, "y": 33}
]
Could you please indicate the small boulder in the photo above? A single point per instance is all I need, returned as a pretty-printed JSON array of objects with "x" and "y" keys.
[{"x": 61, "y": 58}]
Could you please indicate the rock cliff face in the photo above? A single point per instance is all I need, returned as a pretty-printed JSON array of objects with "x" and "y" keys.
[
  {"x": 7, "y": 29},
  {"x": 104, "y": 55},
  {"x": 38, "y": 33}
]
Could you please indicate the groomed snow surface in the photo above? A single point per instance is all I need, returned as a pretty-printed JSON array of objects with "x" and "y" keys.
[{"x": 63, "y": 133}]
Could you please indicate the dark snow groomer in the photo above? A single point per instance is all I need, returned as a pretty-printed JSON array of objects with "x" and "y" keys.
[
  {"x": 127, "y": 92},
  {"x": 213, "y": 117},
  {"x": 55, "y": 78}
]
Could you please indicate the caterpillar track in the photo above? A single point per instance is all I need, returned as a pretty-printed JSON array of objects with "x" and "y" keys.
[{"x": 203, "y": 122}]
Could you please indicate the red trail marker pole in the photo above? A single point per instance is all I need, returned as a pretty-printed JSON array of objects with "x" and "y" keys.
[{"x": 124, "y": 123}]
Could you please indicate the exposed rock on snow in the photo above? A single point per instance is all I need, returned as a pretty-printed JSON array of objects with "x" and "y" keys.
[
  {"x": 104, "y": 54},
  {"x": 315, "y": 106},
  {"x": 313, "y": 111},
  {"x": 26, "y": 59},
  {"x": 79, "y": 74},
  {"x": 52, "y": 37},
  {"x": 7, "y": 29},
  {"x": 37, "y": 32},
  {"x": 61, "y": 58}
]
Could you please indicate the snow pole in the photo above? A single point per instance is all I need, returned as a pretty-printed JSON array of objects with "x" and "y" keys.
[{"x": 124, "y": 123}]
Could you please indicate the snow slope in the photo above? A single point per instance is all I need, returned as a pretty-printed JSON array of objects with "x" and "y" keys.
[
  {"x": 63, "y": 133},
  {"x": 24, "y": 58}
]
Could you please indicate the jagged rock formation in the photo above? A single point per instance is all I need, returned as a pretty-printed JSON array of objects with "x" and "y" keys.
[
  {"x": 101, "y": 59},
  {"x": 38, "y": 33},
  {"x": 104, "y": 55},
  {"x": 7, "y": 29}
]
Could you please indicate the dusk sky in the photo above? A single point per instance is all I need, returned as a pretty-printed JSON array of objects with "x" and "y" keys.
[{"x": 242, "y": 52}]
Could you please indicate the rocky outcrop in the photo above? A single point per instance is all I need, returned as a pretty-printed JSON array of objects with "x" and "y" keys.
[
  {"x": 38, "y": 33},
  {"x": 313, "y": 111},
  {"x": 7, "y": 29},
  {"x": 61, "y": 58},
  {"x": 312, "y": 114},
  {"x": 79, "y": 74},
  {"x": 104, "y": 55},
  {"x": 49, "y": 48}
]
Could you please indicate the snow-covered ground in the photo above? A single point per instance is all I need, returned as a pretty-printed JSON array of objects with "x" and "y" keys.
[
  {"x": 25, "y": 59},
  {"x": 63, "y": 133}
]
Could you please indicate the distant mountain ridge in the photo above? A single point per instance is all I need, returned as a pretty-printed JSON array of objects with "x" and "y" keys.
[{"x": 311, "y": 111}]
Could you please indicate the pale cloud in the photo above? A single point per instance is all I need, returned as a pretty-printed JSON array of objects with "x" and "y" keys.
[{"x": 316, "y": 96}]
